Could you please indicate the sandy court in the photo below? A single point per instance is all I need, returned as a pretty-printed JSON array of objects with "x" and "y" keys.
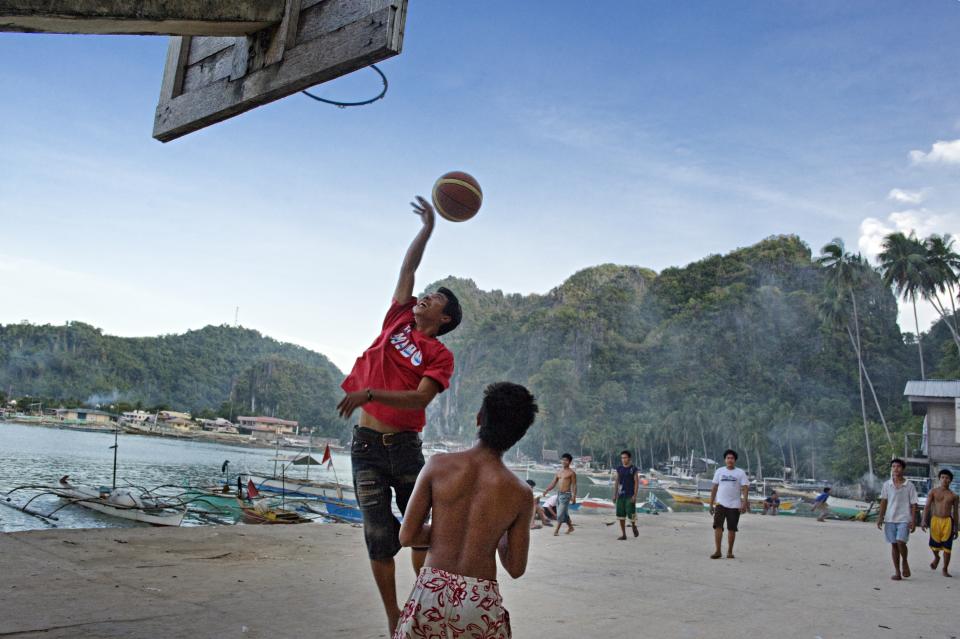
[{"x": 792, "y": 577}]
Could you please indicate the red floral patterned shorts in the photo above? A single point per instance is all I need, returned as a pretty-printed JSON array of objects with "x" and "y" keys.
[{"x": 446, "y": 606}]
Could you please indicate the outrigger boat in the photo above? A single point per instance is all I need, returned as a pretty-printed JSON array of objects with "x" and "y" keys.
[{"x": 121, "y": 503}]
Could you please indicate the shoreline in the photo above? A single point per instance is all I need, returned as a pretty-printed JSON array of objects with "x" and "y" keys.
[{"x": 793, "y": 577}]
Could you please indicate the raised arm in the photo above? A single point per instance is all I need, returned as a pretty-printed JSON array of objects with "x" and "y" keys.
[
  {"x": 515, "y": 543},
  {"x": 415, "y": 531},
  {"x": 411, "y": 260}
]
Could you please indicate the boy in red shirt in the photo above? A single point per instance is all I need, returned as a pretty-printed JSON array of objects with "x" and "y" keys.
[{"x": 392, "y": 383}]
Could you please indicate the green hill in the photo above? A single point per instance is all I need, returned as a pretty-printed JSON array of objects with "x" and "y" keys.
[
  {"x": 197, "y": 371},
  {"x": 727, "y": 351}
]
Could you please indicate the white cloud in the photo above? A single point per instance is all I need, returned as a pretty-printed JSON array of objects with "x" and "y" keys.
[
  {"x": 942, "y": 152},
  {"x": 905, "y": 197},
  {"x": 923, "y": 222}
]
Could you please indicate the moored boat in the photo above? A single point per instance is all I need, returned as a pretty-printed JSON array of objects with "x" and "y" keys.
[{"x": 121, "y": 503}]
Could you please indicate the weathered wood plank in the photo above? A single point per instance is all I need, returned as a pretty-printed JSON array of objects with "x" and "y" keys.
[
  {"x": 328, "y": 16},
  {"x": 152, "y": 17},
  {"x": 206, "y": 47},
  {"x": 210, "y": 69},
  {"x": 177, "y": 51},
  {"x": 348, "y": 48}
]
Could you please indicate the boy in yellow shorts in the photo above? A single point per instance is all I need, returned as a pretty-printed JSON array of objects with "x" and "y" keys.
[{"x": 940, "y": 515}]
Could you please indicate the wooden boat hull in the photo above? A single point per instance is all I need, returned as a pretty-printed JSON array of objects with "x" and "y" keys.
[{"x": 91, "y": 499}]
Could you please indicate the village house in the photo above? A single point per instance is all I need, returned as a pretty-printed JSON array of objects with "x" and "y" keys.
[
  {"x": 137, "y": 416},
  {"x": 267, "y": 427},
  {"x": 939, "y": 402},
  {"x": 85, "y": 415},
  {"x": 218, "y": 425}
]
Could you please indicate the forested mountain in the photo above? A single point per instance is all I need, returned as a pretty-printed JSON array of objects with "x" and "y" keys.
[
  {"x": 197, "y": 371},
  {"x": 754, "y": 350},
  {"x": 729, "y": 351}
]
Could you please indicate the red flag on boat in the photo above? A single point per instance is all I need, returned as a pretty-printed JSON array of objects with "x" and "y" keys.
[
  {"x": 327, "y": 457},
  {"x": 252, "y": 490}
]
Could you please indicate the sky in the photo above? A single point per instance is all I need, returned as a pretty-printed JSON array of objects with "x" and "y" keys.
[{"x": 645, "y": 133}]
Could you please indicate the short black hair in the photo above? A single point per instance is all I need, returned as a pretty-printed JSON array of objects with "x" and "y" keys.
[
  {"x": 627, "y": 453},
  {"x": 826, "y": 489},
  {"x": 567, "y": 456},
  {"x": 730, "y": 451},
  {"x": 897, "y": 460},
  {"x": 452, "y": 310},
  {"x": 946, "y": 472},
  {"x": 531, "y": 483},
  {"x": 507, "y": 412}
]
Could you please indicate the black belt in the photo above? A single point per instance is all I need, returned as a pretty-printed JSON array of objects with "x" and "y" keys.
[{"x": 369, "y": 435}]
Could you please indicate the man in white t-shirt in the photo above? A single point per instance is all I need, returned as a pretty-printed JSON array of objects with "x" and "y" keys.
[
  {"x": 898, "y": 516},
  {"x": 728, "y": 498}
]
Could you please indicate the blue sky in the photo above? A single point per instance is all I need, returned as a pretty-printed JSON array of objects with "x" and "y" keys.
[{"x": 650, "y": 133}]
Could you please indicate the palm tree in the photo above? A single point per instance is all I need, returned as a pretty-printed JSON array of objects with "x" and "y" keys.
[
  {"x": 844, "y": 272},
  {"x": 903, "y": 262},
  {"x": 943, "y": 266}
]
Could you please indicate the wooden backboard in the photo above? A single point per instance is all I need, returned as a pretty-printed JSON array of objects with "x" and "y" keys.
[{"x": 209, "y": 79}]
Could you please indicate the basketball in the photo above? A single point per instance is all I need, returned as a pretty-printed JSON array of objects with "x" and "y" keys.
[{"x": 457, "y": 196}]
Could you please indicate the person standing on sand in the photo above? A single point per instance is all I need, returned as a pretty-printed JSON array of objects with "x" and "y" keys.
[
  {"x": 392, "y": 383},
  {"x": 940, "y": 516},
  {"x": 728, "y": 499},
  {"x": 820, "y": 504},
  {"x": 898, "y": 516},
  {"x": 626, "y": 485},
  {"x": 566, "y": 483},
  {"x": 480, "y": 509}
]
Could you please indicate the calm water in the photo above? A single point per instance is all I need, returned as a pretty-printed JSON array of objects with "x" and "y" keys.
[{"x": 38, "y": 455}]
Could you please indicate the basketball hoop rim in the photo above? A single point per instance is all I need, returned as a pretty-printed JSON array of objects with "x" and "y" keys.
[{"x": 344, "y": 105}]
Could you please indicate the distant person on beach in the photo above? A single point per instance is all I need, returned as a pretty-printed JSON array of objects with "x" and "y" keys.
[
  {"x": 940, "y": 516},
  {"x": 898, "y": 516},
  {"x": 771, "y": 505},
  {"x": 550, "y": 507},
  {"x": 539, "y": 516},
  {"x": 566, "y": 483},
  {"x": 728, "y": 499},
  {"x": 626, "y": 485},
  {"x": 392, "y": 383},
  {"x": 820, "y": 504},
  {"x": 480, "y": 509}
]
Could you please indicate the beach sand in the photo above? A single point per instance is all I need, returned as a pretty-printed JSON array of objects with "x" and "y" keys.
[{"x": 792, "y": 577}]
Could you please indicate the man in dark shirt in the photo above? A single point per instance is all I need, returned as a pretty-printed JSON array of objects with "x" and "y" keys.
[{"x": 626, "y": 485}]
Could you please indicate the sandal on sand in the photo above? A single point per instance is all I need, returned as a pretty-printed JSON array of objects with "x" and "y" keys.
[{"x": 716, "y": 555}]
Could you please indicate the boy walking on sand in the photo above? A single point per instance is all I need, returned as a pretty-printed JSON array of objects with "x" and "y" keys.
[
  {"x": 480, "y": 509},
  {"x": 626, "y": 485},
  {"x": 566, "y": 483},
  {"x": 898, "y": 516},
  {"x": 728, "y": 498},
  {"x": 820, "y": 504},
  {"x": 940, "y": 516}
]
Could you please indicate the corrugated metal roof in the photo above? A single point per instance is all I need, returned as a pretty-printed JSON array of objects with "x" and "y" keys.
[{"x": 933, "y": 388}]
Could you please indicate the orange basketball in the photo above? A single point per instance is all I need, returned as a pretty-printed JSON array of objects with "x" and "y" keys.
[{"x": 457, "y": 196}]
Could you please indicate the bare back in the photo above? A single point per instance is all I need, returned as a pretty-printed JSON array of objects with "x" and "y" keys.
[{"x": 475, "y": 500}]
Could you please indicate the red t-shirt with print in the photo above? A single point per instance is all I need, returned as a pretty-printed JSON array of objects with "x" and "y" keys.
[{"x": 398, "y": 359}]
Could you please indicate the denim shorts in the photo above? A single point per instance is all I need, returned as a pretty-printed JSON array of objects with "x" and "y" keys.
[
  {"x": 382, "y": 461},
  {"x": 895, "y": 532}
]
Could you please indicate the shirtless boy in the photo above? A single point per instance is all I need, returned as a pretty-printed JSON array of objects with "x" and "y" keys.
[
  {"x": 940, "y": 516},
  {"x": 480, "y": 509},
  {"x": 392, "y": 383},
  {"x": 566, "y": 483}
]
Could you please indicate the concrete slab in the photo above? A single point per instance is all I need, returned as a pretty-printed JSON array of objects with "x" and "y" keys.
[{"x": 792, "y": 578}]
